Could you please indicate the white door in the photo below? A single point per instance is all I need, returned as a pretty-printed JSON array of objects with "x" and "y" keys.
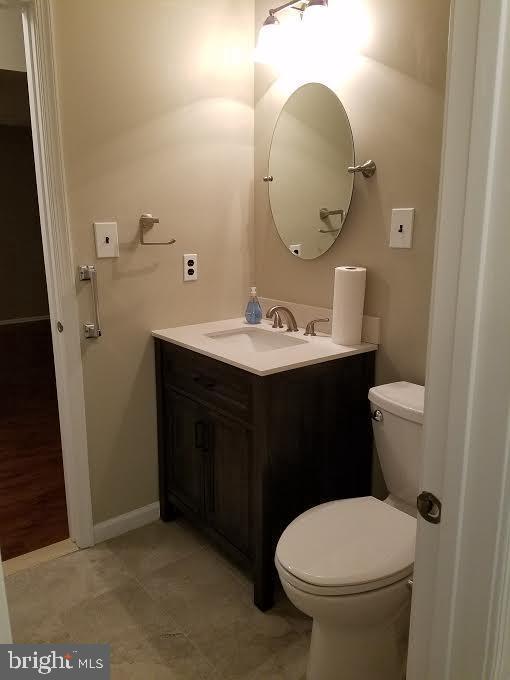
[
  {"x": 59, "y": 266},
  {"x": 5, "y": 626},
  {"x": 462, "y": 580}
]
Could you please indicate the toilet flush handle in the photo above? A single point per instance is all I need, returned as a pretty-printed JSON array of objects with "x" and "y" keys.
[{"x": 377, "y": 416}]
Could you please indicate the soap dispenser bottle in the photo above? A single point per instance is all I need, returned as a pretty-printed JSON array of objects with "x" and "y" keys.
[{"x": 253, "y": 309}]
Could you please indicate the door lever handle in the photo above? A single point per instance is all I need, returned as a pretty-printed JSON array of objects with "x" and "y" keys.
[{"x": 429, "y": 507}]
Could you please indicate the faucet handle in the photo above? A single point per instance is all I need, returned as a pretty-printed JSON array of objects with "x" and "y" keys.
[
  {"x": 274, "y": 314},
  {"x": 310, "y": 327},
  {"x": 277, "y": 321}
]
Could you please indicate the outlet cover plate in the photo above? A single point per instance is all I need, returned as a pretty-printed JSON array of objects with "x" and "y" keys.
[{"x": 190, "y": 267}]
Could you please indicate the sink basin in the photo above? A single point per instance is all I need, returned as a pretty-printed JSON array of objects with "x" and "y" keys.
[{"x": 255, "y": 339}]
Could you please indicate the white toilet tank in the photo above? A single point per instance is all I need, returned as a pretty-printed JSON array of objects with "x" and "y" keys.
[{"x": 397, "y": 421}]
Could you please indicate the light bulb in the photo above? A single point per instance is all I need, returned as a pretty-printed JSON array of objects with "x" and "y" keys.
[
  {"x": 316, "y": 16},
  {"x": 267, "y": 43}
]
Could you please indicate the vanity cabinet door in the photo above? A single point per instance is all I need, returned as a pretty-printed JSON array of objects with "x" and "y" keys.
[
  {"x": 188, "y": 442},
  {"x": 229, "y": 482}
]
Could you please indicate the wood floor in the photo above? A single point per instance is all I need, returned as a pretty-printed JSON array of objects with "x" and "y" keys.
[{"x": 33, "y": 510}]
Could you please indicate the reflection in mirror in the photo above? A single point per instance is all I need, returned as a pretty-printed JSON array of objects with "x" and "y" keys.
[{"x": 310, "y": 188}]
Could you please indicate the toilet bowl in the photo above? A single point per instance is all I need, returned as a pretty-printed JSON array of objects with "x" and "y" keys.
[{"x": 347, "y": 563}]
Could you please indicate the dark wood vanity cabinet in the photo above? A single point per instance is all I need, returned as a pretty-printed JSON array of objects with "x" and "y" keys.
[{"x": 242, "y": 455}]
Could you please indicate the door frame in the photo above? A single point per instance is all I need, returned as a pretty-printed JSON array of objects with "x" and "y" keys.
[
  {"x": 59, "y": 262},
  {"x": 460, "y": 624}
]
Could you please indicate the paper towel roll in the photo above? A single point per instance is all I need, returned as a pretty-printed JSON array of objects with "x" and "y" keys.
[{"x": 348, "y": 303}]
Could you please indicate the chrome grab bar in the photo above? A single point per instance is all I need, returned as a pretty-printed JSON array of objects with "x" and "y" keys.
[{"x": 88, "y": 272}]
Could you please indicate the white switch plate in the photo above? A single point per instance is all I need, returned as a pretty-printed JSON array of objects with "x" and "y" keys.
[
  {"x": 401, "y": 234},
  {"x": 190, "y": 267},
  {"x": 107, "y": 239}
]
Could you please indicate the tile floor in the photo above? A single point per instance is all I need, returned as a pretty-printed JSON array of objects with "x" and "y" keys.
[{"x": 169, "y": 604}]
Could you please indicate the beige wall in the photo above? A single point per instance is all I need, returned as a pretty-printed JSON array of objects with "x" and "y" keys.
[
  {"x": 157, "y": 115},
  {"x": 393, "y": 95},
  {"x": 12, "y": 49}
]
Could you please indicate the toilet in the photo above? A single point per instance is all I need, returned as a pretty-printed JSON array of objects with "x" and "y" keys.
[{"x": 347, "y": 563}]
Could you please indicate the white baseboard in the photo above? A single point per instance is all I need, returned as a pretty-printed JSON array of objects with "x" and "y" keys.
[{"x": 116, "y": 526}]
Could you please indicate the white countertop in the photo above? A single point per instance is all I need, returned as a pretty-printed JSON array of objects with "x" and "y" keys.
[{"x": 313, "y": 350}]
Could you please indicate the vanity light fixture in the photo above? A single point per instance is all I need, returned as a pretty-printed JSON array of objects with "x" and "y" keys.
[
  {"x": 267, "y": 42},
  {"x": 313, "y": 13}
]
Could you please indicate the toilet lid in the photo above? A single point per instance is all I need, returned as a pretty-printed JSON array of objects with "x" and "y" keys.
[{"x": 357, "y": 542}]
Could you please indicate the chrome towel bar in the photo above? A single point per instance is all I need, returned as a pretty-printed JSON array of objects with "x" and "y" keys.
[{"x": 324, "y": 213}]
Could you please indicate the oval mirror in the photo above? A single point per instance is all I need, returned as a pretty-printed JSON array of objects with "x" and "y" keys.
[{"x": 310, "y": 189}]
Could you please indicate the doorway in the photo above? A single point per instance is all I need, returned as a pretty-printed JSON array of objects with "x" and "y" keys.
[
  {"x": 26, "y": 41},
  {"x": 33, "y": 511}
]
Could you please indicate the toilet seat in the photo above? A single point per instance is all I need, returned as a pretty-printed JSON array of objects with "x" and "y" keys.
[{"x": 345, "y": 547}]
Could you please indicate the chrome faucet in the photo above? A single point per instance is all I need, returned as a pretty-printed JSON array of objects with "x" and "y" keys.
[{"x": 277, "y": 312}]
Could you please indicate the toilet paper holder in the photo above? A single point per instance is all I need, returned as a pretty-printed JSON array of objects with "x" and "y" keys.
[{"x": 146, "y": 222}]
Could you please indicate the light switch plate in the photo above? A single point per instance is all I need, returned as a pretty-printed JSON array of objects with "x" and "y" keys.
[
  {"x": 107, "y": 239},
  {"x": 401, "y": 234}
]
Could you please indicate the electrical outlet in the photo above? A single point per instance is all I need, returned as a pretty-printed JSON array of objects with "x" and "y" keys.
[
  {"x": 401, "y": 234},
  {"x": 107, "y": 239},
  {"x": 296, "y": 249},
  {"x": 190, "y": 267}
]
